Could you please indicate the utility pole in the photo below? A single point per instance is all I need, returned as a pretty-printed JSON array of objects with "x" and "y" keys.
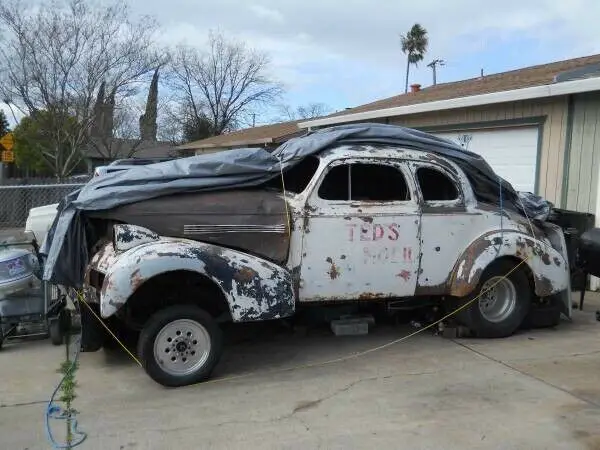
[{"x": 433, "y": 65}]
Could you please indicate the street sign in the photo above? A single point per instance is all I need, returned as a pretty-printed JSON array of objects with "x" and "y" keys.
[
  {"x": 8, "y": 156},
  {"x": 7, "y": 141}
]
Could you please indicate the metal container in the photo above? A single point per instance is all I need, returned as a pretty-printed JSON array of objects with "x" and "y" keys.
[
  {"x": 17, "y": 269},
  {"x": 589, "y": 252}
]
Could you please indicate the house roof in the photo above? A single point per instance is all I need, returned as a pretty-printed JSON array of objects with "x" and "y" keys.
[
  {"x": 125, "y": 148},
  {"x": 505, "y": 81},
  {"x": 474, "y": 91},
  {"x": 261, "y": 135},
  {"x": 481, "y": 89}
]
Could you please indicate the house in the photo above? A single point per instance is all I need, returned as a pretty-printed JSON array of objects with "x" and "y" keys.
[
  {"x": 102, "y": 151},
  {"x": 538, "y": 127},
  {"x": 267, "y": 136}
]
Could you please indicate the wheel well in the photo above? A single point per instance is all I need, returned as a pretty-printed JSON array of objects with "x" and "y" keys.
[
  {"x": 181, "y": 287},
  {"x": 523, "y": 265}
]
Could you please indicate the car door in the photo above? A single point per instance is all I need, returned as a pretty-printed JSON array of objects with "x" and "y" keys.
[
  {"x": 361, "y": 232},
  {"x": 447, "y": 224}
]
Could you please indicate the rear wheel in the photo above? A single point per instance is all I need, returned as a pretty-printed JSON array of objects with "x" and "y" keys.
[
  {"x": 180, "y": 345},
  {"x": 503, "y": 301}
]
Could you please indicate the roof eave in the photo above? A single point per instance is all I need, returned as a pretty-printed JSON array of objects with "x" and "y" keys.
[
  {"x": 192, "y": 146},
  {"x": 529, "y": 93}
]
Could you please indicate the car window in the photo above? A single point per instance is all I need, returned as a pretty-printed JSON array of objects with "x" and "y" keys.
[
  {"x": 296, "y": 178},
  {"x": 436, "y": 185},
  {"x": 364, "y": 182}
]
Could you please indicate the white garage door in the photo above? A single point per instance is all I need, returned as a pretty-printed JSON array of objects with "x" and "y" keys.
[{"x": 512, "y": 152}]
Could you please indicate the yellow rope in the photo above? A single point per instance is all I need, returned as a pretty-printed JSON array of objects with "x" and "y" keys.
[
  {"x": 287, "y": 212},
  {"x": 80, "y": 298},
  {"x": 323, "y": 363}
]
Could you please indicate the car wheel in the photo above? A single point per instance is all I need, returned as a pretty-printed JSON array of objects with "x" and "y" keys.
[
  {"x": 504, "y": 301},
  {"x": 180, "y": 345},
  {"x": 55, "y": 330}
]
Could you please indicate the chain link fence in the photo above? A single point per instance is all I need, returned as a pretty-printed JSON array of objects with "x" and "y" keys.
[{"x": 17, "y": 200}]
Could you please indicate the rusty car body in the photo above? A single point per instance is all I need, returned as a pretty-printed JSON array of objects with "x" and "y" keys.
[{"x": 375, "y": 224}]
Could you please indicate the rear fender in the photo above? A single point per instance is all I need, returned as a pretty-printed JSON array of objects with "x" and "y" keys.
[
  {"x": 550, "y": 269},
  {"x": 255, "y": 289}
]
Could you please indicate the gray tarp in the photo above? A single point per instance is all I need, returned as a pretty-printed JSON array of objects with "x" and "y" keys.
[{"x": 68, "y": 242}]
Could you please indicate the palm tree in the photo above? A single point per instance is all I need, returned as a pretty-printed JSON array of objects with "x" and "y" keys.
[{"x": 414, "y": 46}]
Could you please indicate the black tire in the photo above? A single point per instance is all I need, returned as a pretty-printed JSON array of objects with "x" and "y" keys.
[
  {"x": 163, "y": 318},
  {"x": 545, "y": 314},
  {"x": 508, "y": 323},
  {"x": 59, "y": 326},
  {"x": 56, "y": 334}
]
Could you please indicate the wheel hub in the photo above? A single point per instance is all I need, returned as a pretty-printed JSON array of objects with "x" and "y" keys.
[
  {"x": 498, "y": 300},
  {"x": 181, "y": 347}
]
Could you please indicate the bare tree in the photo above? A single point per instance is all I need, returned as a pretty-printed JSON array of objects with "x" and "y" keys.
[
  {"x": 55, "y": 58},
  {"x": 124, "y": 139},
  {"x": 226, "y": 83},
  {"x": 309, "y": 111}
]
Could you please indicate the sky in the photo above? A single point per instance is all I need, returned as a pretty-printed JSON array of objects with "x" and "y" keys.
[{"x": 347, "y": 52}]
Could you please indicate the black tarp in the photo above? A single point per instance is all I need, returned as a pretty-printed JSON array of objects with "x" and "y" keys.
[{"x": 70, "y": 237}]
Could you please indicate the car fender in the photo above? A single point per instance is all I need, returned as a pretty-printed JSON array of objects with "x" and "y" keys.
[
  {"x": 255, "y": 289},
  {"x": 549, "y": 268}
]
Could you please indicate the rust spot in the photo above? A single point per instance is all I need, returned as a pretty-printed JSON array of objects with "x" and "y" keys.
[
  {"x": 405, "y": 275},
  {"x": 333, "y": 271},
  {"x": 343, "y": 257},
  {"x": 543, "y": 286},
  {"x": 245, "y": 275},
  {"x": 347, "y": 218},
  {"x": 305, "y": 223},
  {"x": 437, "y": 249},
  {"x": 367, "y": 219},
  {"x": 460, "y": 282},
  {"x": 106, "y": 286},
  {"x": 438, "y": 289},
  {"x": 136, "y": 279}
]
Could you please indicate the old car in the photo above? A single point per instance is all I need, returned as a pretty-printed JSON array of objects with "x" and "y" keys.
[{"x": 355, "y": 222}]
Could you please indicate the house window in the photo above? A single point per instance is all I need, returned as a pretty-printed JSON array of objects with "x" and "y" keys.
[
  {"x": 436, "y": 185},
  {"x": 364, "y": 182}
]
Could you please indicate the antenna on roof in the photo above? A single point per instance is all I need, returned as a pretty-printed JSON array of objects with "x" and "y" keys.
[
  {"x": 433, "y": 65},
  {"x": 481, "y": 73}
]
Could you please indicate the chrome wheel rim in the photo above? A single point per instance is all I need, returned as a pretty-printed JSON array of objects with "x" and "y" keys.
[
  {"x": 181, "y": 347},
  {"x": 499, "y": 299}
]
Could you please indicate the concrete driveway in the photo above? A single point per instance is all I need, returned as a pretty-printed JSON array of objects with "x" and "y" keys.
[{"x": 537, "y": 390}]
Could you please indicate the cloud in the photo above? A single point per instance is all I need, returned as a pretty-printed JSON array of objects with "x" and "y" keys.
[
  {"x": 271, "y": 14},
  {"x": 352, "y": 48}
]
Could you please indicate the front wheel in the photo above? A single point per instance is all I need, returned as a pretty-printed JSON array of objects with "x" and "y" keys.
[
  {"x": 180, "y": 345},
  {"x": 503, "y": 301}
]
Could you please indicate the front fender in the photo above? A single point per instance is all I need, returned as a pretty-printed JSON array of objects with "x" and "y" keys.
[
  {"x": 550, "y": 269},
  {"x": 254, "y": 288}
]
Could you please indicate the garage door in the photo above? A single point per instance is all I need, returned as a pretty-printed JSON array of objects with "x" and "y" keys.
[{"x": 512, "y": 152}]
